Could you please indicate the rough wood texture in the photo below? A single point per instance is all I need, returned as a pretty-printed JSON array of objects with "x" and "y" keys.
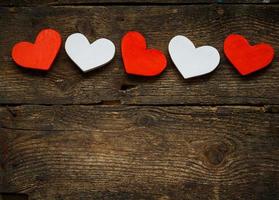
[
  {"x": 65, "y": 84},
  {"x": 152, "y": 146},
  {"x": 125, "y": 152},
  {"x": 135, "y": 2}
]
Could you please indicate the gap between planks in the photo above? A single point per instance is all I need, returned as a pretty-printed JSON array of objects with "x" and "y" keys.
[{"x": 265, "y": 108}]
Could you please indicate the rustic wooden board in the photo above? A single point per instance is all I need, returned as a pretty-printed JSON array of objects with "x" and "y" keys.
[
  {"x": 130, "y": 152},
  {"x": 222, "y": 145},
  {"x": 65, "y": 84},
  {"x": 135, "y": 2}
]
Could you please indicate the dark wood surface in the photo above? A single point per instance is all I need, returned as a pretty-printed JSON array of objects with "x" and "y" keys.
[
  {"x": 141, "y": 152},
  {"x": 65, "y": 84},
  {"x": 107, "y": 135},
  {"x": 92, "y": 2}
]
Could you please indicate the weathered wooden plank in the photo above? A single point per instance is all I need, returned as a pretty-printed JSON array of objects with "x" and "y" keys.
[
  {"x": 135, "y": 2},
  {"x": 127, "y": 152},
  {"x": 65, "y": 84}
]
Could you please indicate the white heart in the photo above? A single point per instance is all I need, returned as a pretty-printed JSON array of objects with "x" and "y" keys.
[
  {"x": 89, "y": 56},
  {"x": 191, "y": 61}
]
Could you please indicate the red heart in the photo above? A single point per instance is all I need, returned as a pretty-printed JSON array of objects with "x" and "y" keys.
[
  {"x": 39, "y": 55},
  {"x": 138, "y": 60},
  {"x": 246, "y": 58}
]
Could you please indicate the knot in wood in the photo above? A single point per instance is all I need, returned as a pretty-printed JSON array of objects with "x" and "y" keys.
[
  {"x": 146, "y": 120},
  {"x": 216, "y": 153}
]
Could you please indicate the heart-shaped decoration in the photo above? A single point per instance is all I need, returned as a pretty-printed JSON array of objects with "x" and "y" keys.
[
  {"x": 138, "y": 60},
  {"x": 89, "y": 56},
  {"x": 39, "y": 55},
  {"x": 191, "y": 61},
  {"x": 246, "y": 58}
]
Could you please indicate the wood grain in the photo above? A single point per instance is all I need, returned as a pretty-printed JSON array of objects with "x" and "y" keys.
[
  {"x": 65, "y": 84},
  {"x": 130, "y": 152},
  {"x": 130, "y": 2},
  {"x": 107, "y": 135}
]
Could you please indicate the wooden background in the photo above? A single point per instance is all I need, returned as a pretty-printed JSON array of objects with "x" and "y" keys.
[{"x": 65, "y": 135}]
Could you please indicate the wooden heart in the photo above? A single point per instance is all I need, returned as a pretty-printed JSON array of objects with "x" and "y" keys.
[
  {"x": 246, "y": 58},
  {"x": 39, "y": 55},
  {"x": 89, "y": 56},
  {"x": 191, "y": 61},
  {"x": 138, "y": 60}
]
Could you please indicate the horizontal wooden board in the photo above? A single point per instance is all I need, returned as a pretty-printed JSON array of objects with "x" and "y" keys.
[
  {"x": 203, "y": 24},
  {"x": 130, "y": 2},
  {"x": 130, "y": 152}
]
